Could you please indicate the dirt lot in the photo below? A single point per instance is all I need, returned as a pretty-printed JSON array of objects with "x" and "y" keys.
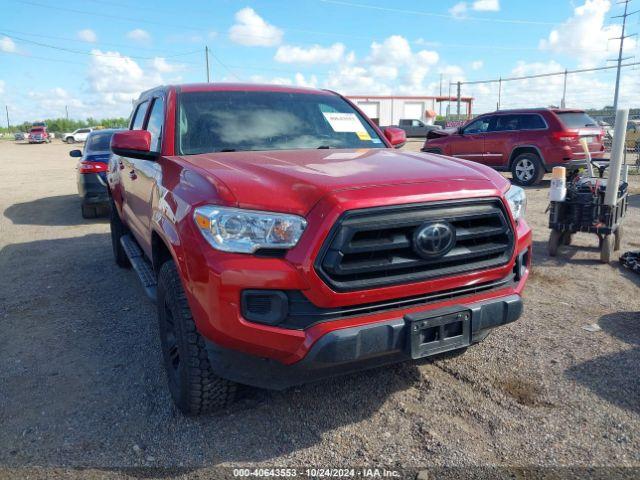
[{"x": 81, "y": 383}]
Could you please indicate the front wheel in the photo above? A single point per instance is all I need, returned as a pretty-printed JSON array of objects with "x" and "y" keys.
[
  {"x": 194, "y": 387},
  {"x": 71, "y": 140},
  {"x": 527, "y": 170}
]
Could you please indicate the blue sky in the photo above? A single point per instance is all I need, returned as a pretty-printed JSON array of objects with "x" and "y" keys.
[{"x": 94, "y": 56}]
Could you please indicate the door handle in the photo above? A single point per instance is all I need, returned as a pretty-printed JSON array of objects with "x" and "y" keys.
[{"x": 132, "y": 175}]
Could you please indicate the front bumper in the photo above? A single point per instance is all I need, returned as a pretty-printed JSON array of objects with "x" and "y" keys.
[{"x": 354, "y": 349}]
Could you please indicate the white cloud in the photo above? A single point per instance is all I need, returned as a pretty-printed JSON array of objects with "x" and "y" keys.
[
  {"x": 161, "y": 65},
  {"x": 117, "y": 78},
  {"x": 252, "y": 30},
  {"x": 585, "y": 37},
  {"x": 87, "y": 35},
  {"x": 312, "y": 55},
  {"x": 486, "y": 5},
  {"x": 460, "y": 9},
  {"x": 2, "y": 87},
  {"x": 477, "y": 65},
  {"x": 390, "y": 67},
  {"x": 7, "y": 45},
  {"x": 139, "y": 35},
  {"x": 55, "y": 101}
]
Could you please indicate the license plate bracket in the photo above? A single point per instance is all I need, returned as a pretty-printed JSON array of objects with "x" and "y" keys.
[{"x": 430, "y": 333}]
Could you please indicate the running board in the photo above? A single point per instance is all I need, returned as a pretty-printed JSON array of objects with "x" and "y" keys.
[{"x": 141, "y": 266}]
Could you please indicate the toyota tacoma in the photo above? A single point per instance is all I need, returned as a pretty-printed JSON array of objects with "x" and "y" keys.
[{"x": 285, "y": 240}]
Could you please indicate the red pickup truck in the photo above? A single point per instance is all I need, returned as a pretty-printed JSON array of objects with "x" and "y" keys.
[{"x": 285, "y": 239}]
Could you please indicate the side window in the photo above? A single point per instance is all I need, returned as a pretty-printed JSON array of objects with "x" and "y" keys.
[
  {"x": 138, "y": 118},
  {"x": 416, "y": 123},
  {"x": 506, "y": 123},
  {"x": 154, "y": 125},
  {"x": 532, "y": 122},
  {"x": 479, "y": 126}
]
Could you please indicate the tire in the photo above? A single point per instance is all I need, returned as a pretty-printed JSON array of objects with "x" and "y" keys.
[
  {"x": 70, "y": 140},
  {"x": 118, "y": 229},
  {"x": 567, "y": 238},
  {"x": 527, "y": 169},
  {"x": 554, "y": 242},
  {"x": 617, "y": 243},
  {"x": 606, "y": 249},
  {"x": 194, "y": 387},
  {"x": 88, "y": 211}
]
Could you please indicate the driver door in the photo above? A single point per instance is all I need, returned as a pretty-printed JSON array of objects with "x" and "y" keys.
[{"x": 469, "y": 141}]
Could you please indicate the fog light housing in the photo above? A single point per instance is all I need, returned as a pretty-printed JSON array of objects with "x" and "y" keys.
[
  {"x": 270, "y": 307},
  {"x": 522, "y": 263}
]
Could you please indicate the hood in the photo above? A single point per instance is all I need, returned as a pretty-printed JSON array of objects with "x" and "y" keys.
[
  {"x": 441, "y": 133},
  {"x": 295, "y": 180}
]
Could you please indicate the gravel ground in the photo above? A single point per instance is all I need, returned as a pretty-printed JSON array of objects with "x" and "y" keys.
[{"x": 81, "y": 382}]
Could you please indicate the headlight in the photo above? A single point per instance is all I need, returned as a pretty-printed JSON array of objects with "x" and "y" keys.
[
  {"x": 517, "y": 202},
  {"x": 245, "y": 231}
]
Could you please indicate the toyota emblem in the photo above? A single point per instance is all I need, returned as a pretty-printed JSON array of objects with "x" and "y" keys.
[{"x": 434, "y": 240}]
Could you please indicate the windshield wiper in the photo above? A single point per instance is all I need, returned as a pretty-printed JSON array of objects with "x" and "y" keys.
[
  {"x": 227, "y": 150},
  {"x": 324, "y": 147}
]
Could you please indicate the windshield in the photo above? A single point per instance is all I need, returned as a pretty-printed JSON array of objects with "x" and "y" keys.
[
  {"x": 37, "y": 130},
  {"x": 576, "y": 119},
  {"x": 99, "y": 142},
  {"x": 241, "y": 121}
]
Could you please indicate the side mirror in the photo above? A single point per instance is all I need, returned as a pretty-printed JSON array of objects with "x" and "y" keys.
[
  {"x": 396, "y": 136},
  {"x": 134, "y": 144},
  {"x": 75, "y": 153}
]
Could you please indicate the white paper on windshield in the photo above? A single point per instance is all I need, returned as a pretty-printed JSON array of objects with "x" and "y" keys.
[{"x": 344, "y": 122}]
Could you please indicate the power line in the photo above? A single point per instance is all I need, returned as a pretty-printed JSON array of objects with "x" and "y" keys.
[
  {"x": 93, "y": 54},
  {"x": 437, "y": 15},
  {"x": 106, "y": 44},
  {"x": 56, "y": 60},
  {"x": 541, "y": 75}
]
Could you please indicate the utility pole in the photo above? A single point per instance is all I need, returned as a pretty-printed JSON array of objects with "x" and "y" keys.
[
  {"x": 449, "y": 102},
  {"x": 206, "y": 57},
  {"x": 499, "y": 92},
  {"x": 66, "y": 110},
  {"x": 6, "y": 108},
  {"x": 563, "y": 102},
  {"x": 459, "y": 100},
  {"x": 620, "y": 59},
  {"x": 440, "y": 112}
]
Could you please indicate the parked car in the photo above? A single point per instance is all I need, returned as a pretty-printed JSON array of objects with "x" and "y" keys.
[
  {"x": 79, "y": 135},
  {"x": 39, "y": 135},
  {"x": 305, "y": 246},
  {"x": 92, "y": 172},
  {"x": 18, "y": 136},
  {"x": 526, "y": 142},
  {"x": 416, "y": 128}
]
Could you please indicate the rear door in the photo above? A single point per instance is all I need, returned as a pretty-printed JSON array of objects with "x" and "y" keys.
[
  {"x": 469, "y": 142},
  {"x": 128, "y": 176},
  {"x": 503, "y": 133}
]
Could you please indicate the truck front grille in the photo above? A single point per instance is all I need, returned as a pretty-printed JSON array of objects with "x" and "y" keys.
[{"x": 374, "y": 247}]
